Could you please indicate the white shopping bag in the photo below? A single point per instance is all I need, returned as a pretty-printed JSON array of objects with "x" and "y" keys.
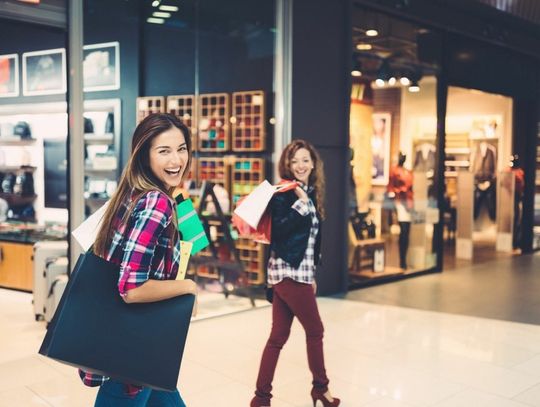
[
  {"x": 253, "y": 206},
  {"x": 86, "y": 232}
]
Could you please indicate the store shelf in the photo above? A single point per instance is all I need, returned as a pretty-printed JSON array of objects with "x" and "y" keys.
[
  {"x": 457, "y": 150},
  {"x": 16, "y": 141},
  {"x": 148, "y": 105},
  {"x": 457, "y": 163},
  {"x": 248, "y": 120},
  {"x": 185, "y": 108},
  {"x": 18, "y": 200},
  {"x": 15, "y": 168},
  {"x": 215, "y": 170},
  {"x": 247, "y": 174},
  {"x": 213, "y": 122},
  {"x": 91, "y": 138}
]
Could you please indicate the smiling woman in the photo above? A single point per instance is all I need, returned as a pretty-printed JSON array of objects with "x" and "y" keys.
[{"x": 139, "y": 233}]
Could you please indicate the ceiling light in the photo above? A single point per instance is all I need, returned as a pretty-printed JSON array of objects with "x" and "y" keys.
[
  {"x": 155, "y": 3},
  {"x": 405, "y": 81},
  {"x": 356, "y": 68},
  {"x": 161, "y": 14},
  {"x": 153, "y": 20},
  {"x": 379, "y": 83},
  {"x": 372, "y": 33},
  {"x": 168, "y": 8},
  {"x": 414, "y": 88},
  {"x": 392, "y": 81},
  {"x": 363, "y": 47}
]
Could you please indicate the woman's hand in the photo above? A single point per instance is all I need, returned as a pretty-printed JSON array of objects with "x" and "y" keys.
[{"x": 301, "y": 194}]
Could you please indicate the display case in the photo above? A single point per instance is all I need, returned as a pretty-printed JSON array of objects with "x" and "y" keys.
[
  {"x": 149, "y": 104},
  {"x": 247, "y": 174},
  {"x": 213, "y": 122},
  {"x": 102, "y": 126},
  {"x": 185, "y": 108},
  {"x": 248, "y": 121}
]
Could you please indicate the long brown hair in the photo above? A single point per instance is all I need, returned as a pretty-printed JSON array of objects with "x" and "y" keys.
[
  {"x": 316, "y": 177},
  {"x": 137, "y": 177}
]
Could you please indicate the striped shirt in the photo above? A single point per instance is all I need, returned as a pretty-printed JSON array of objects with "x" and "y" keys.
[
  {"x": 278, "y": 269},
  {"x": 142, "y": 248}
]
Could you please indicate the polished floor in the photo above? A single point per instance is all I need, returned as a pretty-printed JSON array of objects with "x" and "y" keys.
[
  {"x": 377, "y": 355},
  {"x": 505, "y": 287}
]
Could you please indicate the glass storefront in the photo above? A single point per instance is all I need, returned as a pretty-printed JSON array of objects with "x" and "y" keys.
[
  {"x": 393, "y": 133},
  {"x": 211, "y": 63}
]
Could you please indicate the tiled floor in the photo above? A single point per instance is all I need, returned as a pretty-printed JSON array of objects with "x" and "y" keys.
[{"x": 377, "y": 356}]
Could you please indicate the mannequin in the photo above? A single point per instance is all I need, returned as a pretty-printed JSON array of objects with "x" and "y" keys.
[
  {"x": 519, "y": 175},
  {"x": 483, "y": 167},
  {"x": 400, "y": 188}
]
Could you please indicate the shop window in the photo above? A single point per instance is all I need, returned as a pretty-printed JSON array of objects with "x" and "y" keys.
[{"x": 393, "y": 138}]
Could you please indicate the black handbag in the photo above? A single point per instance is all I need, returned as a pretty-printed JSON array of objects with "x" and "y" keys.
[{"x": 95, "y": 330}]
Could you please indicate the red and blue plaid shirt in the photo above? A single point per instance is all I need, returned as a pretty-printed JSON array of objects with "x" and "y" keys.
[{"x": 142, "y": 248}]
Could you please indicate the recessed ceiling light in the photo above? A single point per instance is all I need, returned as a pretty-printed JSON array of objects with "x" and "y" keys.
[
  {"x": 168, "y": 8},
  {"x": 153, "y": 20},
  {"x": 356, "y": 72},
  {"x": 155, "y": 3},
  {"x": 372, "y": 33},
  {"x": 379, "y": 83},
  {"x": 392, "y": 81},
  {"x": 363, "y": 47},
  {"x": 405, "y": 81},
  {"x": 161, "y": 14}
]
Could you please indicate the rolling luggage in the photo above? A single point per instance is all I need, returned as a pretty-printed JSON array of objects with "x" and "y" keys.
[
  {"x": 45, "y": 252},
  {"x": 56, "y": 281}
]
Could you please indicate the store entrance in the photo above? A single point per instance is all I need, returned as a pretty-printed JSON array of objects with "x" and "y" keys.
[{"x": 483, "y": 180}]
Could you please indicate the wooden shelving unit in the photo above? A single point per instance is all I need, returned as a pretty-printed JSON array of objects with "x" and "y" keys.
[
  {"x": 213, "y": 122},
  {"x": 215, "y": 170},
  {"x": 252, "y": 255},
  {"x": 149, "y": 104},
  {"x": 246, "y": 174},
  {"x": 185, "y": 108},
  {"x": 248, "y": 121}
]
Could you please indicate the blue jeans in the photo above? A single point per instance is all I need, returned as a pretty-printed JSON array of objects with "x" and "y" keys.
[{"x": 113, "y": 394}]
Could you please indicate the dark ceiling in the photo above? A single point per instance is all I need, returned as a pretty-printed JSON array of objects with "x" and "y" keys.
[{"x": 525, "y": 9}]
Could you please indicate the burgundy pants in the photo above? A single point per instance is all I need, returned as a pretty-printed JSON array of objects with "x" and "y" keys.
[{"x": 292, "y": 299}]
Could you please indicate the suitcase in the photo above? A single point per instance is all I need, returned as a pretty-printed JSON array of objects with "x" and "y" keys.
[
  {"x": 45, "y": 252},
  {"x": 55, "y": 293}
]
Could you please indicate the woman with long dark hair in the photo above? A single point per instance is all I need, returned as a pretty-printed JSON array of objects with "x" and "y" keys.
[
  {"x": 294, "y": 254},
  {"x": 139, "y": 232}
]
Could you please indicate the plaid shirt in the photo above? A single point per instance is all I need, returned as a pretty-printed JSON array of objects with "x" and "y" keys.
[
  {"x": 141, "y": 247},
  {"x": 278, "y": 269}
]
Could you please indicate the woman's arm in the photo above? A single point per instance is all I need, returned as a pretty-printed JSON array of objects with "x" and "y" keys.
[
  {"x": 152, "y": 214},
  {"x": 158, "y": 290}
]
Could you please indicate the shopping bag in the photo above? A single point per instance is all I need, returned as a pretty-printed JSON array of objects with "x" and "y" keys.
[
  {"x": 190, "y": 225},
  {"x": 253, "y": 206},
  {"x": 85, "y": 234},
  {"x": 263, "y": 233},
  {"x": 95, "y": 330}
]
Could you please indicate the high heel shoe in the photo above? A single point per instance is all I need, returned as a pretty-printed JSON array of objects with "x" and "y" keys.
[{"x": 317, "y": 396}]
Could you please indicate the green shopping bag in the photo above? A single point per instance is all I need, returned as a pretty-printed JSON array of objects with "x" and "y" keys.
[{"x": 190, "y": 225}]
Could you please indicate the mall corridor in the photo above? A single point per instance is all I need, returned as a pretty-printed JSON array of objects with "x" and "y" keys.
[{"x": 381, "y": 349}]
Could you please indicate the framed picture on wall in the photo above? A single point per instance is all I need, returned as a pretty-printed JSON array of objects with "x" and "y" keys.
[
  {"x": 380, "y": 147},
  {"x": 44, "y": 72},
  {"x": 9, "y": 75},
  {"x": 101, "y": 66}
]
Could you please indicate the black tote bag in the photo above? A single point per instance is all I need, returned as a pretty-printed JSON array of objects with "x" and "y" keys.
[{"x": 95, "y": 330}]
